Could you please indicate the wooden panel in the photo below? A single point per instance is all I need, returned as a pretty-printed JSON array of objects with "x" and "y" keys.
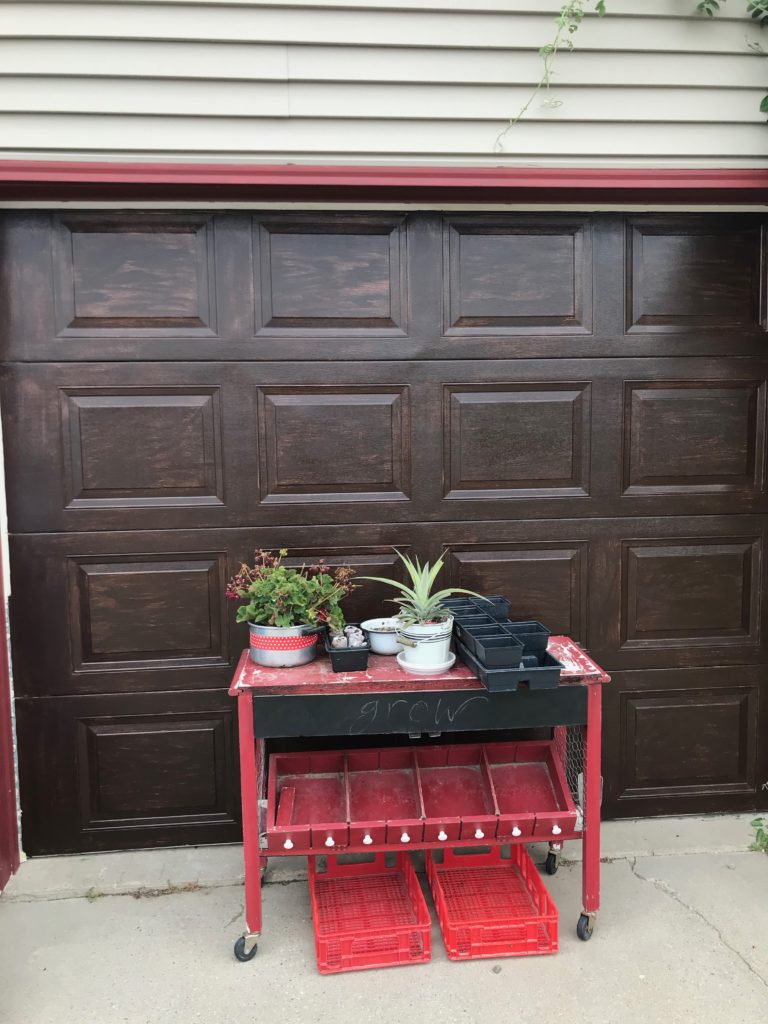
[
  {"x": 545, "y": 582},
  {"x": 332, "y": 274},
  {"x": 113, "y": 755},
  {"x": 693, "y": 274},
  {"x": 129, "y": 445},
  {"x": 683, "y": 739},
  {"x": 517, "y": 276},
  {"x": 682, "y": 593},
  {"x": 140, "y": 611},
  {"x": 506, "y": 440},
  {"x": 149, "y": 273},
  {"x": 151, "y": 611},
  {"x": 151, "y": 444},
  {"x": 334, "y": 443},
  {"x": 132, "y": 771},
  {"x": 703, "y": 436}
]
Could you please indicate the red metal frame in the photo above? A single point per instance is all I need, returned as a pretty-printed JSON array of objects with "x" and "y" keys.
[
  {"x": 9, "y": 836},
  {"x": 63, "y": 179},
  {"x": 254, "y": 793}
]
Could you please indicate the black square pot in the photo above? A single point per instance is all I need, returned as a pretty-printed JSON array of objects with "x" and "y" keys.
[
  {"x": 499, "y": 651},
  {"x": 469, "y": 635},
  {"x": 532, "y": 635},
  {"x": 347, "y": 659}
]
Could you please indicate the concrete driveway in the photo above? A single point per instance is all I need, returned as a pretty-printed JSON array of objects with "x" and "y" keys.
[{"x": 682, "y": 936}]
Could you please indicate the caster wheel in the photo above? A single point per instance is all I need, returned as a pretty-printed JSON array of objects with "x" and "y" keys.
[
  {"x": 240, "y": 953},
  {"x": 584, "y": 928},
  {"x": 552, "y": 864}
]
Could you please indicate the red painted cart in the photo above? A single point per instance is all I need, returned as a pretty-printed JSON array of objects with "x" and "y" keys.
[{"x": 317, "y": 811}]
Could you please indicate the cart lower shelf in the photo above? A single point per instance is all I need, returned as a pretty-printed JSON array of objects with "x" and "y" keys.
[{"x": 369, "y": 800}]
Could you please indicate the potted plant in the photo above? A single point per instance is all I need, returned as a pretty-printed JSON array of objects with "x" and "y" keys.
[
  {"x": 285, "y": 608},
  {"x": 425, "y": 623}
]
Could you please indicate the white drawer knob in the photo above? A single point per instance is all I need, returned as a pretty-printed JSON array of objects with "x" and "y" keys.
[
  {"x": 516, "y": 831},
  {"x": 479, "y": 834},
  {"x": 367, "y": 840},
  {"x": 405, "y": 838},
  {"x": 329, "y": 841},
  {"x": 288, "y": 844},
  {"x": 442, "y": 836},
  {"x": 556, "y": 830}
]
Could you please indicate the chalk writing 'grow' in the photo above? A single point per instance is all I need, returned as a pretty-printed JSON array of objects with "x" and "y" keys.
[{"x": 423, "y": 714}]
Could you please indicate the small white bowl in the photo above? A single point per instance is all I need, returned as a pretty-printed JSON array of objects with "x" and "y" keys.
[{"x": 382, "y": 634}]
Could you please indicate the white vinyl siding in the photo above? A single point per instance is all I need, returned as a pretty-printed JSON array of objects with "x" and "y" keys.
[{"x": 383, "y": 82}]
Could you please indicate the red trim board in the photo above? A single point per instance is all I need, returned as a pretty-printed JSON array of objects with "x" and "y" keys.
[{"x": 61, "y": 180}]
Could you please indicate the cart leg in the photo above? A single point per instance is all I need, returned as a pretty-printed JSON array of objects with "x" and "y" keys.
[
  {"x": 245, "y": 947},
  {"x": 592, "y": 797}
]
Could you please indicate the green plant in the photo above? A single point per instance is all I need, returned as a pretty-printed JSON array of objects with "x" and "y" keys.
[
  {"x": 567, "y": 22},
  {"x": 756, "y": 9},
  {"x": 418, "y": 603},
  {"x": 276, "y": 595},
  {"x": 760, "y": 843}
]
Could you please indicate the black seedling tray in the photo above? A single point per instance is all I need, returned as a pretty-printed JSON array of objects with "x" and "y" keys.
[
  {"x": 459, "y": 605},
  {"x": 475, "y": 619},
  {"x": 532, "y": 635},
  {"x": 544, "y": 675},
  {"x": 347, "y": 659},
  {"x": 499, "y": 651},
  {"x": 469, "y": 634},
  {"x": 496, "y": 606}
]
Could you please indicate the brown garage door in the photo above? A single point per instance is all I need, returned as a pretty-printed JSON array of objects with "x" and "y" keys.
[{"x": 574, "y": 406}]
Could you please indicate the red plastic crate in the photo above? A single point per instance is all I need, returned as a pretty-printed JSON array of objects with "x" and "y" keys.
[
  {"x": 489, "y": 906},
  {"x": 368, "y": 915}
]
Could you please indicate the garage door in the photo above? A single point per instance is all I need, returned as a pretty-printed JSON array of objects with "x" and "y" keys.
[{"x": 573, "y": 406}]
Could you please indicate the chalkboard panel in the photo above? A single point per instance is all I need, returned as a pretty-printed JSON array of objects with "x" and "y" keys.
[{"x": 357, "y": 714}]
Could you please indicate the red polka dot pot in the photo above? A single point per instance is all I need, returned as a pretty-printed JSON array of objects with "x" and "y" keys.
[{"x": 282, "y": 646}]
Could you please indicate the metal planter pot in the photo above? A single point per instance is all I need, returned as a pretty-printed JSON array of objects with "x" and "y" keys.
[
  {"x": 282, "y": 646},
  {"x": 426, "y": 645}
]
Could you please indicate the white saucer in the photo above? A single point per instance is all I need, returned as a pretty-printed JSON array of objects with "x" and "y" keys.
[{"x": 429, "y": 670}]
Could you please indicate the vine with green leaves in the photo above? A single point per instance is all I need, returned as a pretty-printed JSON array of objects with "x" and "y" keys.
[{"x": 572, "y": 14}]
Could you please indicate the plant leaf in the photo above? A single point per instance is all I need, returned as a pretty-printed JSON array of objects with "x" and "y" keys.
[{"x": 411, "y": 594}]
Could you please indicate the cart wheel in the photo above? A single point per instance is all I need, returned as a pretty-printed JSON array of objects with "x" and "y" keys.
[
  {"x": 585, "y": 927},
  {"x": 552, "y": 864},
  {"x": 240, "y": 953}
]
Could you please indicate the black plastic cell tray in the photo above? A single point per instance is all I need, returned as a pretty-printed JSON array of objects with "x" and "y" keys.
[
  {"x": 544, "y": 676},
  {"x": 532, "y": 635}
]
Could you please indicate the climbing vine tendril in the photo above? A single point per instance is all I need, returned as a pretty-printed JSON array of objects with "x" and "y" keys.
[{"x": 567, "y": 23}]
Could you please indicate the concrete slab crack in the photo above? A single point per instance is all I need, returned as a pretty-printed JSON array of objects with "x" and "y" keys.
[{"x": 667, "y": 889}]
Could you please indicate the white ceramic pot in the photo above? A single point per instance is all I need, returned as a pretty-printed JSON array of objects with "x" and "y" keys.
[
  {"x": 382, "y": 635},
  {"x": 426, "y": 644}
]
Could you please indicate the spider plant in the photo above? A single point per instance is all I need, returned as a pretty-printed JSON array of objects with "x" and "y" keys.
[{"x": 418, "y": 603}]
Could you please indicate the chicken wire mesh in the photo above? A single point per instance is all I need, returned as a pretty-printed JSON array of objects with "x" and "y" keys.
[{"x": 569, "y": 744}]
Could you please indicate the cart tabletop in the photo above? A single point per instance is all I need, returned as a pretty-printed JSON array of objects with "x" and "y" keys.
[{"x": 384, "y": 675}]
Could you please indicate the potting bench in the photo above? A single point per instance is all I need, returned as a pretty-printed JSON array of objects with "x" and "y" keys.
[{"x": 318, "y": 817}]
